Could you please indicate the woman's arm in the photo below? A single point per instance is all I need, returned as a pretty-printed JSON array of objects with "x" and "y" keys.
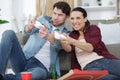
[
  {"x": 82, "y": 45},
  {"x": 68, "y": 41}
]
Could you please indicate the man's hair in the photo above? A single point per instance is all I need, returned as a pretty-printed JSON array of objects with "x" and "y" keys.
[{"x": 64, "y": 6}]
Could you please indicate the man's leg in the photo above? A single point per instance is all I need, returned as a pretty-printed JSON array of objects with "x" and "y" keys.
[
  {"x": 39, "y": 72},
  {"x": 11, "y": 49}
]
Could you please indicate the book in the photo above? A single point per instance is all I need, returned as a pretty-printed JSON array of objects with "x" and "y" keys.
[{"x": 84, "y": 75}]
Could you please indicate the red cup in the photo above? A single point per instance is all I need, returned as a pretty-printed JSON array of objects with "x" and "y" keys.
[{"x": 26, "y": 75}]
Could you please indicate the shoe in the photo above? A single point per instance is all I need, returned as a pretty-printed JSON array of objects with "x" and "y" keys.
[{"x": 1, "y": 77}]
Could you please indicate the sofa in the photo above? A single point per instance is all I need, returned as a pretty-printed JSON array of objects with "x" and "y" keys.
[{"x": 112, "y": 45}]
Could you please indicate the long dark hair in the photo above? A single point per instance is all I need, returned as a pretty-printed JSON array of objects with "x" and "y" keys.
[{"x": 87, "y": 24}]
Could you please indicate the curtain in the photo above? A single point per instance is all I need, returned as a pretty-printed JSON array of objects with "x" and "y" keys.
[{"x": 46, "y": 6}]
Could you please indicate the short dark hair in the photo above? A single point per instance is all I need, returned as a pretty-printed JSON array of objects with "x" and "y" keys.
[{"x": 64, "y": 6}]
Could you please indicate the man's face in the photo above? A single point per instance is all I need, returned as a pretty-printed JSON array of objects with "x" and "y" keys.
[{"x": 58, "y": 17}]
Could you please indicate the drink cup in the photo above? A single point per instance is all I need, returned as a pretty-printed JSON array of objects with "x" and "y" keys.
[{"x": 26, "y": 75}]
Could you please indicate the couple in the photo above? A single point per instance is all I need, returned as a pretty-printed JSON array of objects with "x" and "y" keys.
[{"x": 41, "y": 49}]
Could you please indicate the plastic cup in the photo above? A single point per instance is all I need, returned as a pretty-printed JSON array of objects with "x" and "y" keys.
[{"x": 26, "y": 75}]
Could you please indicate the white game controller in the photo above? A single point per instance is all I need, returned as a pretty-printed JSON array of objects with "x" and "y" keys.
[
  {"x": 58, "y": 35},
  {"x": 38, "y": 24}
]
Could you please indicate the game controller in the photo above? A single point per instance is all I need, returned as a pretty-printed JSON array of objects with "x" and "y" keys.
[
  {"x": 38, "y": 24},
  {"x": 58, "y": 35}
]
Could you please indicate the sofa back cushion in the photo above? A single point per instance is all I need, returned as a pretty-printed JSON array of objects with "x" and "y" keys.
[{"x": 110, "y": 32}]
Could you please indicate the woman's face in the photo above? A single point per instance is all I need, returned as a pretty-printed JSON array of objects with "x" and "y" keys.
[{"x": 78, "y": 20}]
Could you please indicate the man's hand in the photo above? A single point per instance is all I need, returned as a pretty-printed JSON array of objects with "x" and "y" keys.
[
  {"x": 43, "y": 32},
  {"x": 51, "y": 37},
  {"x": 30, "y": 25}
]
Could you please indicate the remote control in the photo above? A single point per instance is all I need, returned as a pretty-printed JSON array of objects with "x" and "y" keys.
[{"x": 58, "y": 35}]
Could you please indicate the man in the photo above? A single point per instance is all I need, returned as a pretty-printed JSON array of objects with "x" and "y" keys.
[{"x": 41, "y": 49}]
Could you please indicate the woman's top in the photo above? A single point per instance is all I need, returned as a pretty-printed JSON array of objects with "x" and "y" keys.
[
  {"x": 85, "y": 57},
  {"x": 92, "y": 35}
]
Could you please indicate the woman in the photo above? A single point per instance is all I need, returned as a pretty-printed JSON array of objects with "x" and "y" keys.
[{"x": 88, "y": 50}]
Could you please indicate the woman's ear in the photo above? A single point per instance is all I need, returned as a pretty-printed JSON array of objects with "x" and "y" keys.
[{"x": 85, "y": 19}]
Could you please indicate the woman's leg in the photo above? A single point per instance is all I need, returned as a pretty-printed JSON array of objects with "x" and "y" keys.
[
  {"x": 110, "y": 77},
  {"x": 10, "y": 49},
  {"x": 112, "y": 65}
]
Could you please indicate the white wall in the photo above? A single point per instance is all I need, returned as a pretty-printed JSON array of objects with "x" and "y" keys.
[
  {"x": 5, "y": 6},
  {"x": 22, "y": 10},
  {"x": 5, "y": 13},
  {"x": 17, "y": 11},
  {"x": 95, "y": 12}
]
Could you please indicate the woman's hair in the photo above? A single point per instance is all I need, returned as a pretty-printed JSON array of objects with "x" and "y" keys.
[
  {"x": 87, "y": 24},
  {"x": 64, "y": 6},
  {"x": 80, "y": 10}
]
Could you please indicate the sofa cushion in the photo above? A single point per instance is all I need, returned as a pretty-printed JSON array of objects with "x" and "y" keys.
[
  {"x": 110, "y": 32},
  {"x": 65, "y": 60},
  {"x": 114, "y": 49}
]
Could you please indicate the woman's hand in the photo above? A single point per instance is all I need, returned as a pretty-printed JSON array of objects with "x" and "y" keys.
[{"x": 65, "y": 42}]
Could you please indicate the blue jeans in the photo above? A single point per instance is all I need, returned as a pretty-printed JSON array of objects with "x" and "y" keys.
[
  {"x": 112, "y": 65},
  {"x": 11, "y": 50}
]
